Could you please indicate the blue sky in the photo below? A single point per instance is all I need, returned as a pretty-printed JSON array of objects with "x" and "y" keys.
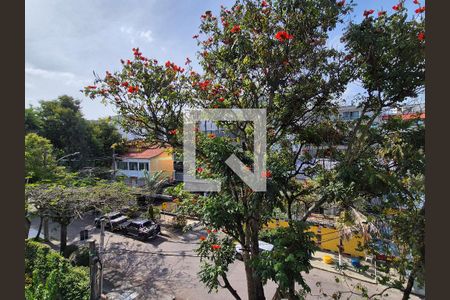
[{"x": 65, "y": 41}]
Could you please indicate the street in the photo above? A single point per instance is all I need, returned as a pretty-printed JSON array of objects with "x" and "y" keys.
[{"x": 167, "y": 266}]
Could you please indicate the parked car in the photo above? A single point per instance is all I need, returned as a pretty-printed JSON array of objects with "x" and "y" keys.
[
  {"x": 141, "y": 228},
  {"x": 263, "y": 246},
  {"x": 113, "y": 220}
]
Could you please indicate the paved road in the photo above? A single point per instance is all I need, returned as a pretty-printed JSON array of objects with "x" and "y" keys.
[{"x": 167, "y": 267}]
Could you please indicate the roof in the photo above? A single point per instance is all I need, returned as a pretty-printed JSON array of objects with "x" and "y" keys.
[
  {"x": 410, "y": 116},
  {"x": 146, "y": 154}
]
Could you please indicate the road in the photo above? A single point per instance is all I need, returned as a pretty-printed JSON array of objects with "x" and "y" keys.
[{"x": 167, "y": 267}]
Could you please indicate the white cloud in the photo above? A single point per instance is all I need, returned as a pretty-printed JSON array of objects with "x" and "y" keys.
[
  {"x": 136, "y": 35},
  {"x": 33, "y": 74}
]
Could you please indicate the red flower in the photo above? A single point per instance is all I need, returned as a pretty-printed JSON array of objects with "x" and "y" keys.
[
  {"x": 368, "y": 12},
  {"x": 199, "y": 169},
  {"x": 172, "y": 132},
  {"x": 211, "y": 135},
  {"x": 91, "y": 87},
  {"x": 264, "y": 4},
  {"x": 133, "y": 89},
  {"x": 216, "y": 247},
  {"x": 124, "y": 84},
  {"x": 221, "y": 99},
  {"x": 381, "y": 13},
  {"x": 204, "y": 84},
  {"x": 128, "y": 62},
  {"x": 281, "y": 36},
  {"x": 208, "y": 231},
  {"x": 215, "y": 106},
  {"x": 341, "y": 3},
  {"x": 168, "y": 64},
  {"x": 420, "y": 10},
  {"x": 416, "y": 2},
  {"x": 266, "y": 174},
  {"x": 215, "y": 230},
  {"x": 236, "y": 28},
  {"x": 421, "y": 36},
  {"x": 202, "y": 238},
  {"x": 397, "y": 7}
]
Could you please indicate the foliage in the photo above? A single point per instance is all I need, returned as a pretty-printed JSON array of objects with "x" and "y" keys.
[
  {"x": 40, "y": 161},
  {"x": 49, "y": 276},
  {"x": 80, "y": 257},
  {"x": 64, "y": 203},
  {"x": 271, "y": 55},
  {"x": 291, "y": 255},
  {"x": 216, "y": 254},
  {"x": 154, "y": 182},
  {"x": 62, "y": 123}
]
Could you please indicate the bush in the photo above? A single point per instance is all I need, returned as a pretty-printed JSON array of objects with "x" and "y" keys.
[
  {"x": 179, "y": 222},
  {"x": 48, "y": 275},
  {"x": 69, "y": 250},
  {"x": 80, "y": 257}
]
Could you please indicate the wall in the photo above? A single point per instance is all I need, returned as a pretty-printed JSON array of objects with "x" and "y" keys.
[
  {"x": 329, "y": 237},
  {"x": 162, "y": 162}
]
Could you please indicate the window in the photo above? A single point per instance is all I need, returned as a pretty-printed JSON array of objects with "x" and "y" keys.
[
  {"x": 122, "y": 165},
  {"x": 143, "y": 166},
  {"x": 133, "y": 166}
]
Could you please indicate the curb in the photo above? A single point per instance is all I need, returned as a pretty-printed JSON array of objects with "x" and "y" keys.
[{"x": 345, "y": 274}]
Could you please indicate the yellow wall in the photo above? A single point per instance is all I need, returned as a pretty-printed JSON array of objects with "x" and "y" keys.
[
  {"x": 330, "y": 238},
  {"x": 162, "y": 162}
]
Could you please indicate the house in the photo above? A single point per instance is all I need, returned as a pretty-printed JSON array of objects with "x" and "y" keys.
[{"x": 135, "y": 162}]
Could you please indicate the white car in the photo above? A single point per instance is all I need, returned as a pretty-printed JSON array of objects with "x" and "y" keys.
[{"x": 263, "y": 246}]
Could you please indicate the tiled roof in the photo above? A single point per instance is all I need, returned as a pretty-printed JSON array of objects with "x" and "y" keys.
[
  {"x": 406, "y": 116},
  {"x": 146, "y": 154}
]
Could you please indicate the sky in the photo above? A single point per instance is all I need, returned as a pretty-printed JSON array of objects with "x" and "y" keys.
[{"x": 66, "y": 41}]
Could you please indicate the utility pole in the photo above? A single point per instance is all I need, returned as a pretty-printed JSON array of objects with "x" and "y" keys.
[
  {"x": 93, "y": 270},
  {"x": 102, "y": 244}
]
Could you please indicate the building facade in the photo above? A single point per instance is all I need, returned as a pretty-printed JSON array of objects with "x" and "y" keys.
[{"x": 133, "y": 164}]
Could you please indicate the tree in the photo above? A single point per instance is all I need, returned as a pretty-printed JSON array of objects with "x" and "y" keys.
[
  {"x": 63, "y": 124},
  {"x": 40, "y": 161},
  {"x": 104, "y": 135},
  {"x": 394, "y": 173},
  {"x": 270, "y": 55},
  {"x": 33, "y": 122},
  {"x": 63, "y": 203},
  {"x": 258, "y": 56}
]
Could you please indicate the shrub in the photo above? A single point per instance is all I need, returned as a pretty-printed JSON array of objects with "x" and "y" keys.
[
  {"x": 80, "y": 257},
  {"x": 48, "y": 275},
  {"x": 69, "y": 250}
]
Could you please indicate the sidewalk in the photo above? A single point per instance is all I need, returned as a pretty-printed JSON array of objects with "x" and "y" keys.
[{"x": 366, "y": 276}]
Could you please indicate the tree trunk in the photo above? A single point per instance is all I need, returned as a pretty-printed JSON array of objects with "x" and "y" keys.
[
  {"x": 46, "y": 230},
  {"x": 63, "y": 238},
  {"x": 39, "y": 229},
  {"x": 409, "y": 285},
  {"x": 291, "y": 292},
  {"x": 254, "y": 285},
  {"x": 258, "y": 286}
]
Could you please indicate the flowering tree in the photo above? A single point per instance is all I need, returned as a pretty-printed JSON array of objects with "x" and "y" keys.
[{"x": 271, "y": 55}]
